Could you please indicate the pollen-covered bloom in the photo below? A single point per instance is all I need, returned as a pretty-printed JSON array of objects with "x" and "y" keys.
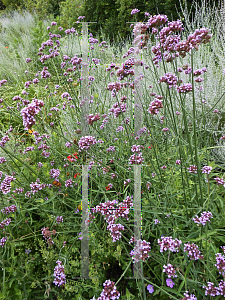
[
  {"x": 59, "y": 274},
  {"x": 193, "y": 251}
]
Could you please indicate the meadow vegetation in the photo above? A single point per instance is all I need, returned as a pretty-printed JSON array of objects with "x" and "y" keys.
[{"x": 179, "y": 145}]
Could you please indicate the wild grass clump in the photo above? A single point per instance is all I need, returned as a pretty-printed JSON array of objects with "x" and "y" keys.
[{"x": 166, "y": 159}]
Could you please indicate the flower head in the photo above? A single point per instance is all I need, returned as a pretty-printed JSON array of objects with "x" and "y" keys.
[
  {"x": 170, "y": 283},
  {"x": 150, "y": 288}
]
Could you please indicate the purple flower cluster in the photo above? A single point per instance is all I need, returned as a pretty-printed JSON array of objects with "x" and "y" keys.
[
  {"x": 4, "y": 223},
  {"x": 135, "y": 11},
  {"x": 211, "y": 290},
  {"x": 93, "y": 118},
  {"x": 7, "y": 210},
  {"x": 205, "y": 217},
  {"x": 4, "y": 140},
  {"x": 54, "y": 173},
  {"x": 114, "y": 87},
  {"x": 118, "y": 108},
  {"x": 30, "y": 111},
  {"x": 59, "y": 219},
  {"x": 69, "y": 183},
  {"x": 192, "y": 169},
  {"x": 59, "y": 274},
  {"x": 109, "y": 291},
  {"x": 220, "y": 181},
  {"x": 189, "y": 297},
  {"x": 185, "y": 88},
  {"x": 2, "y": 82},
  {"x": 193, "y": 252},
  {"x": 154, "y": 107},
  {"x": 220, "y": 263},
  {"x": 169, "y": 270},
  {"x": 3, "y": 241},
  {"x": 140, "y": 251},
  {"x": 86, "y": 141},
  {"x": 47, "y": 235},
  {"x": 2, "y": 160},
  {"x": 6, "y": 184},
  {"x": 170, "y": 79},
  {"x": 167, "y": 243},
  {"x": 206, "y": 169},
  {"x": 37, "y": 186}
]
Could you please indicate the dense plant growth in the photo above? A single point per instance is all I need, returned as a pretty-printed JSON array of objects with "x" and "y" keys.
[{"x": 179, "y": 146}]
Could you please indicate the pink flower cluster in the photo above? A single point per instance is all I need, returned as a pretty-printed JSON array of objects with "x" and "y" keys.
[
  {"x": 109, "y": 291},
  {"x": 169, "y": 270},
  {"x": 118, "y": 108},
  {"x": 220, "y": 181},
  {"x": 114, "y": 87},
  {"x": 6, "y": 184},
  {"x": 193, "y": 252},
  {"x": 86, "y": 141},
  {"x": 54, "y": 173},
  {"x": 59, "y": 274},
  {"x": 205, "y": 217},
  {"x": 192, "y": 169},
  {"x": 168, "y": 243},
  {"x": 47, "y": 235},
  {"x": 93, "y": 118},
  {"x": 3, "y": 241},
  {"x": 30, "y": 111},
  {"x": 140, "y": 251},
  {"x": 220, "y": 263},
  {"x": 59, "y": 219},
  {"x": 4, "y": 223},
  {"x": 155, "y": 106},
  {"x": 170, "y": 79},
  {"x": 189, "y": 297},
  {"x": 9, "y": 209}
]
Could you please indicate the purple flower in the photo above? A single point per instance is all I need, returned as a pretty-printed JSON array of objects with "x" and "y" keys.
[
  {"x": 170, "y": 271},
  {"x": 167, "y": 243},
  {"x": 59, "y": 274},
  {"x": 189, "y": 297},
  {"x": 3, "y": 241},
  {"x": 192, "y": 169},
  {"x": 135, "y": 11},
  {"x": 2, "y": 160},
  {"x": 211, "y": 290},
  {"x": 193, "y": 252},
  {"x": 86, "y": 141},
  {"x": 28, "y": 60},
  {"x": 69, "y": 183},
  {"x": 53, "y": 23},
  {"x": 59, "y": 219},
  {"x": 170, "y": 283},
  {"x": 205, "y": 216},
  {"x": 156, "y": 221},
  {"x": 185, "y": 88},
  {"x": 54, "y": 173},
  {"x": 150, "y": 288},
  {"x": 140, "y": 251},
  {"x": 206, "y": 169}
]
